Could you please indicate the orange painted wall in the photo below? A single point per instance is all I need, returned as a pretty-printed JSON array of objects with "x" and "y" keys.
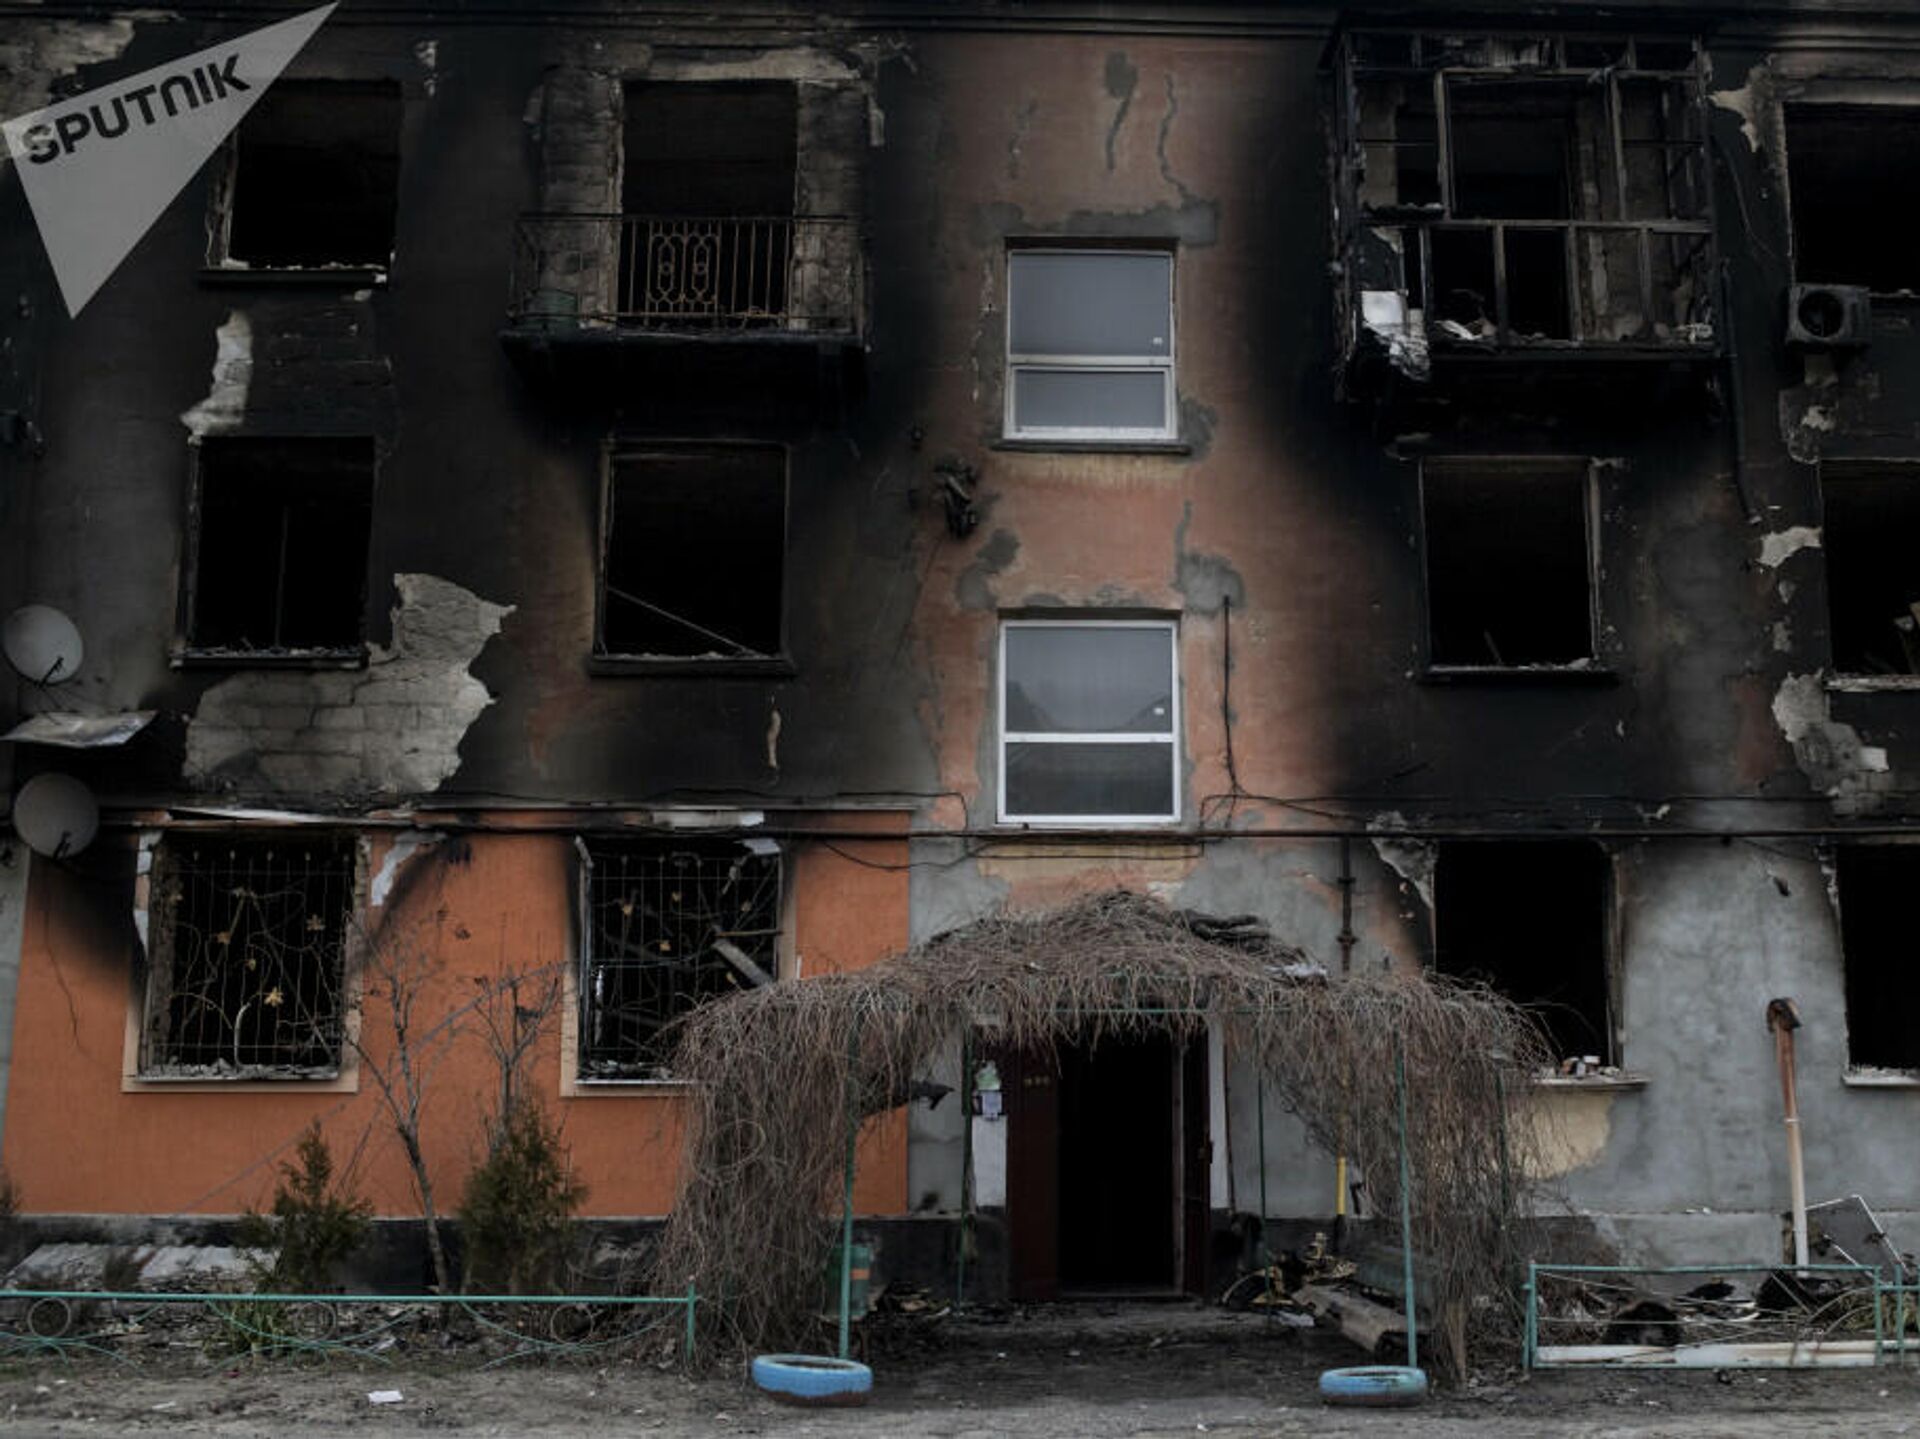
[{"x": 76, "y": 1143}]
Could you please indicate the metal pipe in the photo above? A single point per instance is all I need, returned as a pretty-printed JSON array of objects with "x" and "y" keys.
[
  {"x": 966, "y": 1166},
  {"x": 846, "y": 1209},
  {"x": 1406, "y": 1206},
  {"x": 1783, "y": 1018},
  {"x": 1260, "y": 1119}
]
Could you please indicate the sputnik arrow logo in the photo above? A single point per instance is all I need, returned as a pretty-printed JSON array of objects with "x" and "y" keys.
[{"x": 100, "y": 167}]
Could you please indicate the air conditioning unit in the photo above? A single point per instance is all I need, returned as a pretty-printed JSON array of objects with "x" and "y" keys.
[{"x": 1828, "y": 317}]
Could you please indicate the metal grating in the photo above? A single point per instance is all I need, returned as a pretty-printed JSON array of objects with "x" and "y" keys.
[
  {"x": 669, "y": 926},
  {"x": 248, "y": 962}
]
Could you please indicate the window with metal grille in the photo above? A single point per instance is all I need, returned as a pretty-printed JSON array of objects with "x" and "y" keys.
[
  {"x": 669, "y": 925},
  {"x": 246, "y": 977}
]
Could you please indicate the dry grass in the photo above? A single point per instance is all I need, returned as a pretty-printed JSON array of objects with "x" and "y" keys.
[{"x": 777, "y": 1071}]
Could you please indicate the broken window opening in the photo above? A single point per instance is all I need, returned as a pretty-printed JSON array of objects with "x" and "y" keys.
[
  {"x": 670, "y": 925},
  {"x": 278, "y": 562},
  {"x": 1843, "y": 162},
  {"x": 707, "y": 197},
  {"x": 693, "y": 552},
  {"x": 1089, "y": 722},
  {"x": 1513, "y": 195},
  {"x": 1530, "y": 919},
  {"x": 1509, "y": 566},
  {"x": 1875, "y": 884},
  {"x": 1870, "y": 514},
  {"x": 315, "y": 176},
  {"x": 246, "y": 978},
  {"x": 1090, "y": 345}
]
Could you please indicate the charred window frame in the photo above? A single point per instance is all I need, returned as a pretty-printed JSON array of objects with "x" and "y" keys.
[
  {"x": 667, "y": 925},
  {"x": 1089, "y": 720},
  {"x": 1534, "y": 920},
  {"x": 1509, "y": 554},
  {"x": 275, "y": 563},
  {"x": 692, "y": 559},
  {"x": 1539, "y": 190},
  {"x": 1090, "y": 345},
  {"x": 1843, "y": 161},
  {"x": 247, "y": 971},
  {"x": 1874, "y": 886},
  {"x": 1870, "y": 512},
  {"x": 311, "y": 181}
]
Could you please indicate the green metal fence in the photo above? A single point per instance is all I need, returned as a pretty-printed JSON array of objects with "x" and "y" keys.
[{"x": 491, "y": 1329}]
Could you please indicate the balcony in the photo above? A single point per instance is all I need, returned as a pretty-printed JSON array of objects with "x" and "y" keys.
[
  {"x": 1506, "y": 201},
  {"x": 694, "y": 308}
]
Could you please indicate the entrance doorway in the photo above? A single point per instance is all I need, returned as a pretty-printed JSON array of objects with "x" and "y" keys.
[{"x": 1107, "y": 1168}]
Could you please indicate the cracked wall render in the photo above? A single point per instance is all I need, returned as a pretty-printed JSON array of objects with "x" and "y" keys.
[{"x": 394, "y": 729}]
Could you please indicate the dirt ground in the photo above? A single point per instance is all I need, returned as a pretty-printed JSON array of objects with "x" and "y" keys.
[{"x": 1102, "y": 1372}]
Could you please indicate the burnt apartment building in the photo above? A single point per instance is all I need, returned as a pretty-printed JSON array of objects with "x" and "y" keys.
[{"x": 690, "y": 498}]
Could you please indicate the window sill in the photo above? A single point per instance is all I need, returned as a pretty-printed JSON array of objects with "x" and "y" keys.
[
  {"x": 356, "y": 277},
  {"x": 1042, "y": 826},
  {"x": 1092, "y": 447},
  {"x": 353, "y": 659},
  {"x": 641, "y": 665},
  {"x": 1873, "y": 684},
  {"x": 1881, "y": 1079},
  {"x": 1620, "y": 1080},
  {"x": 628, "y": 1088},
  {"x": 345, "y": 1082},
  {"x": 1574, "y": 674}
]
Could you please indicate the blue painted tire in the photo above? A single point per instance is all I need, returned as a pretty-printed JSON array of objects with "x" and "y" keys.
[
  {"x": 1377, "y": 1386},
  {"x": 812, "y": 1380}
]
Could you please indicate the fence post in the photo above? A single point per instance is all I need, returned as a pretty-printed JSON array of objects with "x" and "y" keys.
[
  {"x": 846, "y": 1209},
  {"x": 1406, "y": 1208}
]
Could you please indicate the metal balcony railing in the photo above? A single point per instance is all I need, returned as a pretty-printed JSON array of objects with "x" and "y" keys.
[{"x": 682, "y": 273}]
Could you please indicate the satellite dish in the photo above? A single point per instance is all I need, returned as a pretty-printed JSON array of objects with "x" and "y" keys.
[
  {"x": 55, "y": 815},
  {"x": 42, "y": 644}
]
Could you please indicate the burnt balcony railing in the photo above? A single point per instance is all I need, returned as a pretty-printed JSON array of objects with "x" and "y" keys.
[
  {"x": 687, "y": 274},
  {"x": 1588, "y": 287}
]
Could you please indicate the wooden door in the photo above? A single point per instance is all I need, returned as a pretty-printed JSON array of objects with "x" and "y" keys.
[{"x": 1030, "y": 1085}]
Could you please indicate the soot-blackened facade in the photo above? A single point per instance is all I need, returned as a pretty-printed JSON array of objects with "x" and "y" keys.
[{"x": 691, "y": 499}]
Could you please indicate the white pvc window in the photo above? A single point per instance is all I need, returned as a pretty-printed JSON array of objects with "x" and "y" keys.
[
  {"x": 1090, "y": 345},
  {"x": 1089, "y": 728}
]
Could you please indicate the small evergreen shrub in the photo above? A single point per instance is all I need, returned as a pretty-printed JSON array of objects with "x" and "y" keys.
[
  {"x": 315, "y": 1221},
  {"x": 514, "y": 1213}
]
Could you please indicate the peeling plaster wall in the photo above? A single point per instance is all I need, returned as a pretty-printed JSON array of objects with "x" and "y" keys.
[{"x": 393, "y": 730}]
